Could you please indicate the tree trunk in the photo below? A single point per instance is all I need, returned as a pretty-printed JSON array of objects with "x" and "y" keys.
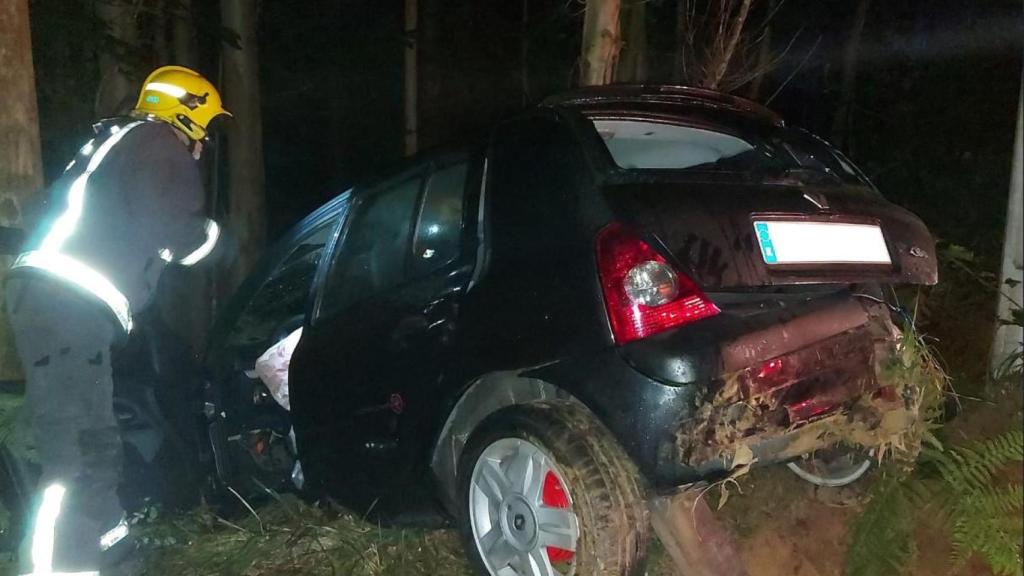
[
  {"x": 21, "y": 170},
  {"x": 432, "y": 65},
  {"x": 161, "y": 46},
  {"x": 679, "y": 71},
  {"x": 731, "y": 29},
  {"x": 633, "y": 59},
  {"x": 246, "y": 219},
  {"x": 116, "y": 92},
  {"x": 524, "y": 54},
  {"x": 841, "y": 126},
  {"x": 764, "y": 58},
  {"x": 411, "y": 85},
  {"x": 186, "y": 294},
  {"x": 1009, "y": 338},
  {"x": 183, "y": 35},
  {"x": 601, "y": 42}
]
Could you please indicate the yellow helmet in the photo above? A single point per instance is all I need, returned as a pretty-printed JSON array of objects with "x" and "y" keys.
[{"x": 181, "y": 97}]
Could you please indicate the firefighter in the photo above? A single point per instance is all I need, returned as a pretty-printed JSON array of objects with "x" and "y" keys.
[{"x": 130, "y": 203}]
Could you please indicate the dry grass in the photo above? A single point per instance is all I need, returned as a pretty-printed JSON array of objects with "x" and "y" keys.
[{"x": 292, "y": 537}]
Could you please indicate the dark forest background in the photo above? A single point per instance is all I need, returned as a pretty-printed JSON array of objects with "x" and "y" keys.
[{"x": 931, "y": 119}]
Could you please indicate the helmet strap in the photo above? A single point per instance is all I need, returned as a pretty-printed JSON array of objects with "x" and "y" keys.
[{"x": 186, "y": 122}]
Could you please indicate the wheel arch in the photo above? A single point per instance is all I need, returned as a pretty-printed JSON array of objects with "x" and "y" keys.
[{"x": 483, "y": 397}]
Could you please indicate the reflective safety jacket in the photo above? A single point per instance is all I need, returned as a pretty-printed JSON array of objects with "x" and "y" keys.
[{"x": 129, "y": 203}]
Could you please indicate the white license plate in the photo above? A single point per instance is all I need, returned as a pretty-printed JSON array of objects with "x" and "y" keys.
[{"x": 821, "y": 243}]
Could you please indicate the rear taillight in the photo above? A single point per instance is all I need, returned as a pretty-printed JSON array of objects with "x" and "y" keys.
[{"x": 644, "y": 294}]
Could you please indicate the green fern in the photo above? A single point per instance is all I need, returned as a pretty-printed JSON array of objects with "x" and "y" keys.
[
  {"x": 972, "y": 467},
  {"x": 959, "y": 486},
  {"x": 882, "y": 537},
  {"x": 984, "y": 514},
  {"x": 985, "y": 523}
]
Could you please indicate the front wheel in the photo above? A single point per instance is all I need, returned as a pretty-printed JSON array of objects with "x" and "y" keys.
[{"x": 546, "y": 490}]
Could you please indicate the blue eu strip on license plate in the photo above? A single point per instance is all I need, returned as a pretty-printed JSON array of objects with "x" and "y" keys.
[{"x": 764, "y": 237}]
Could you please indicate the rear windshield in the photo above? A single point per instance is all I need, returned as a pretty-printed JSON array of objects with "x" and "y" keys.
[{"x": 780, "y": 153}]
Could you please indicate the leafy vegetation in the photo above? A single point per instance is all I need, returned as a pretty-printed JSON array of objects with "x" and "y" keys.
[
  {"x": 964, "y": 488},
  {"x": 881, "y": 541},
  {"x": 1011, "y": 369},
  {"x": 958, "y": 315},
  {"x": 915, "y": 371},
  {"x": 983, "y": 512}
]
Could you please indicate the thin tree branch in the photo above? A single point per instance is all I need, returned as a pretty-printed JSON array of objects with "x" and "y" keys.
[
  {"x": 728, "y": 42},
  {"x": 790, "y": 77}
]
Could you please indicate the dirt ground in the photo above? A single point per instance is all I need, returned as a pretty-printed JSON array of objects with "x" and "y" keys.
[
  {"x": 787, "y": 527},
  {"x": 782, "y": 527}
]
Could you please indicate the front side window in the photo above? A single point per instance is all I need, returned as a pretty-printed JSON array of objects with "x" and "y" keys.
[
  {"x": 372, "y": 255},
  {"x": 282, "y": 297},
  {"x": 439, "y": 227}
]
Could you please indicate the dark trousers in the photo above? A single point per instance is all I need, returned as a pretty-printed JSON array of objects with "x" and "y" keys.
[{"x": 64, "y": 342}]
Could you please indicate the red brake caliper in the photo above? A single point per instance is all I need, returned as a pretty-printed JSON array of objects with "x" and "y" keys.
[{"x": 554, "y": 496}]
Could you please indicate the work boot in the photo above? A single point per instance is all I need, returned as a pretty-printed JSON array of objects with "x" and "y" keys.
[
  {"x": 68, "y": 536},
  {"x": 121, "y": 559}
]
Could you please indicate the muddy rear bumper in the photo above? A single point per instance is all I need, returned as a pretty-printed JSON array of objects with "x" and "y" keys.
[
  {"x": 807, "y": 383},
  {"x": 781, "y": 385}
]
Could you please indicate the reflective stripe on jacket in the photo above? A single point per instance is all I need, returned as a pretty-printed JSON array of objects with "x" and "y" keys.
[{"x": 130, "y": 201}]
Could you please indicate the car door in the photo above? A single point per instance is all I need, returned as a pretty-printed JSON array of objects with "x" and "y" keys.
[
  {"x": 270, "y": 305},
  {"x": 424, "y": 335},
  {"x": 364, "y": 372}
]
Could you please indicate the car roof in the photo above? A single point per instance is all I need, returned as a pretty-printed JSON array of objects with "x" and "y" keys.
[{"x": 626, "y": 98}]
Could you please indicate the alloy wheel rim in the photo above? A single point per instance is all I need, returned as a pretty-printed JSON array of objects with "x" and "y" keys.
[{"x": 520, "y": 512}]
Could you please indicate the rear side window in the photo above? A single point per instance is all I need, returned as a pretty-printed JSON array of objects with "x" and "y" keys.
[
  {"x": 372, "y": 255},
  {"x": 439, "y": 227}
]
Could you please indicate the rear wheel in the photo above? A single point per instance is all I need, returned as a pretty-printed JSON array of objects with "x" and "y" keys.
[
  {"x": 546, "y": 490},
  {"x": 832, "y": 467}
]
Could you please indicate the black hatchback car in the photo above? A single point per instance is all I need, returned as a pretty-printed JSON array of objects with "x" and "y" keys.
[{"x": 625, "y": 290}]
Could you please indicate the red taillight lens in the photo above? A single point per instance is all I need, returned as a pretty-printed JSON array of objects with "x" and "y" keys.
[{"x": 643, "y": 294}]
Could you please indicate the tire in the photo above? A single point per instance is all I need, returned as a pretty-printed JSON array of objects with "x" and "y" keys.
[
  {"x": 832, "y": 467},
  {"x": 606, "y": 529}
]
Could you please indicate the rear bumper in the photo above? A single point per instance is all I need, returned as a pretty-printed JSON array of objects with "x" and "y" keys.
[
  {"x": 805, "y": 380},
  {"x": 828, "y": 391}
]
